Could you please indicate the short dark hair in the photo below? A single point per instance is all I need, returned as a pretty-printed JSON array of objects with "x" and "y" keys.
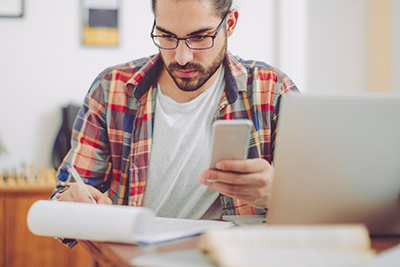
[{"x": 221, "y": 7}]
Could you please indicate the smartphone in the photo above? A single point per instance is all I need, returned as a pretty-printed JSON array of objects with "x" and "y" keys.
[{"x": 230, "y": 140}]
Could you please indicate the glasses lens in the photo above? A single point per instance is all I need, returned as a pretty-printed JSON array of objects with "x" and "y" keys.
[
  {"x": 200, "y": 42},
  {"x": 197, "y": 42},
  {"x": 165, "y": 42}
]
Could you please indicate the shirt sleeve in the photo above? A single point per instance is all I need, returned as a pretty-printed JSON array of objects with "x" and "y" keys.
[{"x": 90, "y": 150}]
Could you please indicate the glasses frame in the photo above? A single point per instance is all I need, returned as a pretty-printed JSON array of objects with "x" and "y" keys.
[{"x": 221, "y": 24}]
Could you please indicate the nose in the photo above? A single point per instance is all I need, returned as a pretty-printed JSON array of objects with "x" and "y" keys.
[{"x": 183, "y": 54}]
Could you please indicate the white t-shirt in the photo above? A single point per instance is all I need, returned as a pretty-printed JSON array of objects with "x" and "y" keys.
[{"x": 180, "y": 152}]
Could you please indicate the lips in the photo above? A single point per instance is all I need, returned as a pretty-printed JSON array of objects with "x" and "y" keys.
[{"x": 185, "y": 73}]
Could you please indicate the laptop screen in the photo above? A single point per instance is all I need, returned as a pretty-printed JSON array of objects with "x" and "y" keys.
[{"x": 337, "y": 160}]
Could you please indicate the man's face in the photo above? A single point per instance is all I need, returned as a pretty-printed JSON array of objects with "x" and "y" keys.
[{"x": 190, "y": 69}]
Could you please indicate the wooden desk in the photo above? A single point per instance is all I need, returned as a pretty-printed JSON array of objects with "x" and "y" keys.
[
  {"x": 19, "y": 247},
  {"x": 112, "y": 255}
]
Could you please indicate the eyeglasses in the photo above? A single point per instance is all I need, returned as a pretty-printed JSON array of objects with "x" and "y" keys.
[{"x": 198, "y": 42}]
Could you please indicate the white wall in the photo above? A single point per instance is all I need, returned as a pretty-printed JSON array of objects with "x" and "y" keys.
[
  {"x": 253, "y": 37},
  {"x": 322, "y": 45},
  {"x": 43, "y": 65},
  {"x": 337, "y": 38},
  {"x": 292, "y": 40}
]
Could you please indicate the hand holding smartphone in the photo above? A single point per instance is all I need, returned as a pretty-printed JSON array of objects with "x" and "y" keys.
[{"x": 230, "y": 140}]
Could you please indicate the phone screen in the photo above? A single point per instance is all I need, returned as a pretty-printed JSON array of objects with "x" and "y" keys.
[{"x": 230, "y": 140}]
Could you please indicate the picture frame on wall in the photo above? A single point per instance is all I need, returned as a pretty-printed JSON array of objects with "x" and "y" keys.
[
  {"x": 100, "y": 22},
  {"x": 12, "y": 8}
]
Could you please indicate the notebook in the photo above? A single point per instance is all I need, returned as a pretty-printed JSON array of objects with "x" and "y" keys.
[
  {"x": 337, "y": 160},
  {"x": 111, "y": 223}
]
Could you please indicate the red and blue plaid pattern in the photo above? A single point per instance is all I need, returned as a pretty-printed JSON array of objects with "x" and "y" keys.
[{"x": 112, "y": 135}]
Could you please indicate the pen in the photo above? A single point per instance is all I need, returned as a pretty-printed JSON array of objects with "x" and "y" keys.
[{"x": 80, "y": 182}]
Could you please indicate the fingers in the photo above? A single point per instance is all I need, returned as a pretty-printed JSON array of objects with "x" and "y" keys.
[
  {"x": 256, "y": 196},
  {"x": 98, "y": 196},
  {"x": 240, "y": 172},
  {"x": 242, "y": 166},
  {"x": 237, "y": 191},
  {"x": 74, "y": 193},
  {"x": 252, "y": 179},
  {"x": 247, "y": 180}
]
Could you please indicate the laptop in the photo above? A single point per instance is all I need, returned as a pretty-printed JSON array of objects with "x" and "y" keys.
[{"x": 337, "y": 160}]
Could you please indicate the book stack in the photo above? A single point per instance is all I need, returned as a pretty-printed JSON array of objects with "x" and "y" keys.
[{"x": 285, "y": 246}]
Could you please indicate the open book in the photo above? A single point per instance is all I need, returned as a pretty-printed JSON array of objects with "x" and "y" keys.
[
  {"x": 122, "y": 224},
  {"x": 336, "y": 246}
]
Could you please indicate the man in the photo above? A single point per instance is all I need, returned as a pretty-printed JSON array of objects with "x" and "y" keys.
[{"x": 142, "y": 136}]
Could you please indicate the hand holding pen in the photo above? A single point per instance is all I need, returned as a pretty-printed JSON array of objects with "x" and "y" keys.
[
  {"x": 80, "y": 182},
  {"x": 81, "y": 192}
]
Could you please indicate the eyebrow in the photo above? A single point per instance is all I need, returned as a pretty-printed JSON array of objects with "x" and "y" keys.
[{"x": 161, "y": 29}]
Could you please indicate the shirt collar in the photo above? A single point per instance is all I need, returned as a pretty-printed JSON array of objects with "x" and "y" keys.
[{"x": 235, "y": 77}]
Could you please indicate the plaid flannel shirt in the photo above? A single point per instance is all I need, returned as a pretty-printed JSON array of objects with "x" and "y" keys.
[{"x": 112, "y": 135}]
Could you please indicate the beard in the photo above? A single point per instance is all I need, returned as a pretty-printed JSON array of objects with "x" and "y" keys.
[{"x": 202, "y": 76}]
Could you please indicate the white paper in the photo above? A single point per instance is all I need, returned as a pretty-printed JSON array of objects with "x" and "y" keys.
[
  {"x": 110, "y": 223},
  {"x": 89, "y": 221},
  {"x": 171, "y": 228}
]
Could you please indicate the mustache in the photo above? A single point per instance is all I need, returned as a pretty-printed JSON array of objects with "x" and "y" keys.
[{"x": 187, "y": 66}]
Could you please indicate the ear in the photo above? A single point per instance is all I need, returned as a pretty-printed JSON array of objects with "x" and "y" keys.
[{"x": 231, "y": 21}]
